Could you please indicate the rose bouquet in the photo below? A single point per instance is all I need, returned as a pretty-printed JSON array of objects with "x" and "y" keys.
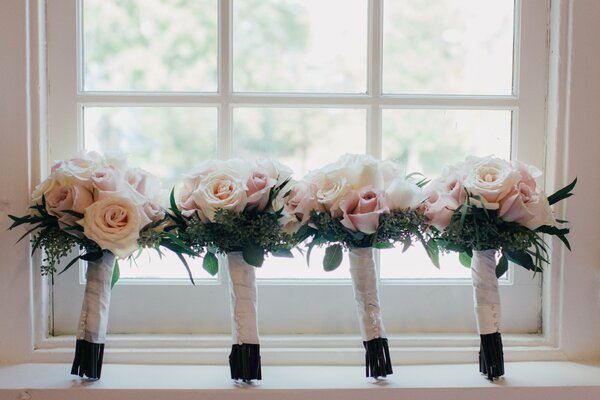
[
  {"x": 490, "y": 211},
  {"x": 105, "y": 210},
  {"x": 359, "y": 203},
  {"x": 235, "y": 208}
]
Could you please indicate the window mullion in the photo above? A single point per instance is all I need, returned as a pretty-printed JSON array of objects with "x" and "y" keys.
[
  {"x": 225, "y": 130},
  {"x": 374, "y": 84}
]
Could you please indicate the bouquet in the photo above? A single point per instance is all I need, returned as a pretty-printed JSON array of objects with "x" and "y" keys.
[
  {"x": 235, "y": 208},
  {"x": 359, "y": 203},
  {"x": 106, "y": 210},
  {"x": 491, "y": 212}
]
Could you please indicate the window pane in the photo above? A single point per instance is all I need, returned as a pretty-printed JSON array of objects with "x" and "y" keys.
[
  {"x": 300, "y": 45},
  {"x": 448, "y": 46},
  {"x": 425, "y": 141},
  {"x": 166, "y": 141},
  {"x": 150, "y": 45},
  {"x": 303, "y": 139}
]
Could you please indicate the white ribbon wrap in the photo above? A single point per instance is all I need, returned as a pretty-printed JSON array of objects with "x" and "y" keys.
[
  {"x": 364, "y": 281},
  {"x": 242, "y": 287},
  {"x": 93, "y": 321},
  {"x": 485, "y": 291}
]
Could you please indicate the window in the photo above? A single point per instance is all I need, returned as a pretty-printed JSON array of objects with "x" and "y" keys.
[{"x": 176, "y": 82}]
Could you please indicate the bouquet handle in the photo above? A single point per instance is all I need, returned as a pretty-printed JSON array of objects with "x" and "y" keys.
[
  {"x": 244, "y": 360},
  {"x": 487, "y": 312},
  {"x": 93, "y": 322},
  {"x": 364, "y": 281}
]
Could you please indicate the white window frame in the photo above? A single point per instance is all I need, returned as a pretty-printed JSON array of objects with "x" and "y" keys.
[{"x": 410, "y": 345}]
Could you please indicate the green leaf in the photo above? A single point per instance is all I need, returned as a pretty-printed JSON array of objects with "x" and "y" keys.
[
  {"x": 521, "y": 258},
  {"x": 92, "y": 256},
  {"x": 73, "y": 261},
  {"x": 187, "y": 267},
  {"x": 116, "y": 275},
  {"x": 383, "y": 245},
  {"x": 74, "y": 213},
  {"x": 433, "y": 252},
  {"x": 210, "y": 263},
  {"x": 562, "y": 193},
  {"x": 282, "y": 253},
  {"x": 173, "y": 203},
  {"x": 333, "y": 257},
  {"x": 464, "y": 259},
  {"x": 253, "y": 255},
  {"x": 502, "y": 266}
]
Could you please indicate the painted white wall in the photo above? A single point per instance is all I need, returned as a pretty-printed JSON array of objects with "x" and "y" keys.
[
  {"x": 581, "y": 297},
  {"x": 580, "y": 330}
]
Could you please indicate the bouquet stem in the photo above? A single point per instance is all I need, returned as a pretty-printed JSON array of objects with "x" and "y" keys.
[
  {"x": 364, "y": 280},
  {"x": 244, "y": 360},
  {"x": 93, "y": 322},
  {"x": 487, "y": 311}
]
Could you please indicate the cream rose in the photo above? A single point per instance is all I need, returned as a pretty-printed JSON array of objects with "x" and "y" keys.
[
  {"x": 492, "y": 179},
  {"x": 114, "y": 223},
  {"x": 73, "y": 198},
  {"x": 192, "y": 181},
  {"x": 363, "y": 208},
  {"x": 402, "y": 194},
  {"x": 329, "y": 193},
  {"x": 220, "y": 190}
]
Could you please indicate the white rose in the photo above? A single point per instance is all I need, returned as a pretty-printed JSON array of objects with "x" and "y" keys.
[
  {"x": 220, "y": 190},
  {"x": 114, "y": 223},
  {"x": 492, "y": 179},
  {"x": 78, "y": 169},
  {"x": 402, "y": 194},
  {"x": 329, "y": 192}
]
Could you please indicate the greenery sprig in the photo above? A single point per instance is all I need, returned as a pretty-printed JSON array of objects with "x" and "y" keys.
[
  {"x": 474, "y": 228},
  {"x": 59, "y": 240},
  {"x": 254, "y": 233},
  {"x": 400, "y": 226}
]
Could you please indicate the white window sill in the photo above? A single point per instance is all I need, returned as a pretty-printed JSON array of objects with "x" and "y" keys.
[{"x": 547, "y": 380}]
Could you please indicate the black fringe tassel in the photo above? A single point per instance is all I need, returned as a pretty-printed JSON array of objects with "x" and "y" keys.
[
  {"x": 377, "y": 358},
  {"x": 88, "y": 359},
  {"x": 244, "y": 362},
  {"x": 491, "y": 357}
]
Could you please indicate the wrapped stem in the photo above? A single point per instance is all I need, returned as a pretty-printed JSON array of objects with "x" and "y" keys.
[
  {"x": 93, "y": 322},
  {"x": 364, "y": 281},
  {"x": 244, "y": 360},
  {"x": 487, "y": 312}
]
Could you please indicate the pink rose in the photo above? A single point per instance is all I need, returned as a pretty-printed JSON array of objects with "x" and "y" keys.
[
  {"x": 74, "y": 198},
  {"x": 301, "y": 201},
  {"x": 259, "y": 187},
  {"x": 105, "y": 179},
  {"x": 362, "y": 209},
  {"x": 153, "y": 211},
  {"x": 143, "y": 182},
  {"x": 439, "y": 210},
  {"x": 528, "y": 173},
  {"x": 526, "y": 207}
]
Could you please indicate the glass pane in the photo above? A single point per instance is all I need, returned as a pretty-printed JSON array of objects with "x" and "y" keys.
[
  {"x": 448, "y": 46},
  {"x": 166, "y": 141},
  {"x": 150, "y": 45},
  {"x": 300, "y": 45},
  {"x": 425, "y": 141},
  {"x": 303, "y": 139}
]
